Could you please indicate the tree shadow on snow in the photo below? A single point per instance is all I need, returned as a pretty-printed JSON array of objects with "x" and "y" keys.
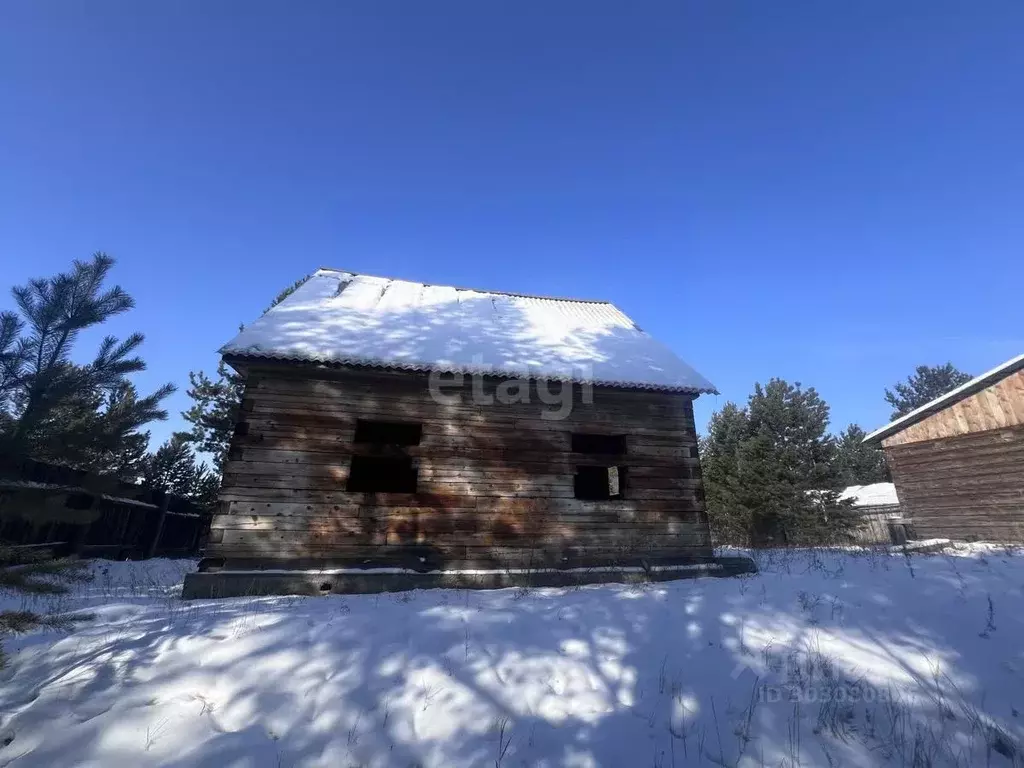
[{"x": 661, "y": 675}]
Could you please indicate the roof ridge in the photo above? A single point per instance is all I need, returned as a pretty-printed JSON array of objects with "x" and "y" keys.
[{"x": 477, "y": 290}]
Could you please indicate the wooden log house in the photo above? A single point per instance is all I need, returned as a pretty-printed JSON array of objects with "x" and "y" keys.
[
  {"x": 399, "y": 434},
  {"x": 958, "y": 461}
]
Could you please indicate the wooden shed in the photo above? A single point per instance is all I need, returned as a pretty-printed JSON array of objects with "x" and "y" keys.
[
  {"x": 396, "y": 434},
  {"x": 958, "y": 462},
  {"x": 879, "y": 517}
]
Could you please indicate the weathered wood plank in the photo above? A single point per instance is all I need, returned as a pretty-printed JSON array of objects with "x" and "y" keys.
[
  {"x": 333, "y": 536},
  {"x": 501, "y": 460},
  {"x": 410, "y": 385},
  {"x": 973, "y": 440},
  {"x": 427, "y": 408},
  {"x": 248, "y": 494},
  {"x": 495, "y": 556},
  {"x": 287, "y": 423},
  {"x": 970, "y": 485},
  {"x": 480, "y": 449},
  {"x": 990, "y": 446},
  {"x": 468, "y": 520},
  {"x": 481, "y": 507},
  {"x": 491, "y": 477}
]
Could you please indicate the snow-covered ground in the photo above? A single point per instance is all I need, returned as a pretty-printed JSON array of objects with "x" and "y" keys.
[{"x": 823, "y": 658}]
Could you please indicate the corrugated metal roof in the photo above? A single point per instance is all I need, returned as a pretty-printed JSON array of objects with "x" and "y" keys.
[
  {"x": 347, "y": 318},
  {"x": 973, "y": 386}
]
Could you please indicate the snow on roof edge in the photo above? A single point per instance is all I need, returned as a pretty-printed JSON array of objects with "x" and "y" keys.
[
  {"x": 954, "y": 395},
  {"x": 227, "y": 351}
]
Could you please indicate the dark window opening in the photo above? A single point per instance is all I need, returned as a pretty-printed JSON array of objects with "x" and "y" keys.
[
  {"x": 599, "y": 483},
  {"x": 381, "y": 474},
  {"x": 388, "y": 432},
  {"x": 78, "y": 501},
  {"x": 590, "y": 443}
]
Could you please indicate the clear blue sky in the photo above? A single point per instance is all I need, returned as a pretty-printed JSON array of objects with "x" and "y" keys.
[{"x": 828, "y": 192}]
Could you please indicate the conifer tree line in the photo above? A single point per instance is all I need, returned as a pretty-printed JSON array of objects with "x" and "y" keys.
[{"x": 772, "y": 471}]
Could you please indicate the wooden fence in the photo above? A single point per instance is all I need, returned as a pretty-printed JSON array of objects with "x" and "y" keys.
[{"x": 75, "y": 512}]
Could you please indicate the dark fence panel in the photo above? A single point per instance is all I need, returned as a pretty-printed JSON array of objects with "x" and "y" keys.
[{"x": 76, "y": 512}]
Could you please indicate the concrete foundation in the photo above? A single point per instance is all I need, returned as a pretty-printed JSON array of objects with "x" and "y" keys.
[{"x": 213, "y": 584}]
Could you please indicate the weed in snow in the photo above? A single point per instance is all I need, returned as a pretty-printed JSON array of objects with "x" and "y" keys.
[
  {"x": 153, "y": 733},
  {"x": 809, "y": 604},
  {"x": 990, "y": 620},
  {"x": 520, "y": 593},
  {"x": 448, "y": 665},
  {"x": 500, "y": 727},
  {"x": 908, "y": 559},
  {"x": 352, "y": 737},
  {"x": 427, "y": 693}
]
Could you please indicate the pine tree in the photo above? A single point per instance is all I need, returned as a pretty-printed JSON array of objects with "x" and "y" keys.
[
  {"x": 770, "y": 474},
  {"x": 173, "y": 467},
  {"x": 51, "y": 408},
  {"x": 719, "y": 453},
  {"x": 85, "y": 416},
  {"x": 923, "y": 386},
  {"x": 214, "y": 412},
  {"x": 118, "y": 446},
  {"x": 99, "y": 431},
  {"x": 789, "y": 465},
  {"x": 216, "y": 402},
  {"x": 13, "y": 356},
  {"x": 858, "y": 463}
]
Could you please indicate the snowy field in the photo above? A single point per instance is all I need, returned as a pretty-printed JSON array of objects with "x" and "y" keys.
[{"x": 823, "y": 658}]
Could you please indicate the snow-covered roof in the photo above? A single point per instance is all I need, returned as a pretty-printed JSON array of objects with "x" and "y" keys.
[
  {"x": 976, "y": 384},
  {"x": 874, "y": 495},
  {"x": 352, "y": 319}
]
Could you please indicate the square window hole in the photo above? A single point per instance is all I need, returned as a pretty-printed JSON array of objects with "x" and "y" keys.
[
  {"x": 599, "y": 483},
  {"x": 591, "y": 443},
  {"x": 78, "y": 501},
  {"x": 388, "y": 432},
  {"x": 381, "y": 474}
]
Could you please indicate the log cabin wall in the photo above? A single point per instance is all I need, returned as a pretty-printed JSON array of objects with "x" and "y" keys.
[
  {"x": 495, "y": 485},
  {"x": 966, "y": 487},
  {"x": 959, "y": 472}
]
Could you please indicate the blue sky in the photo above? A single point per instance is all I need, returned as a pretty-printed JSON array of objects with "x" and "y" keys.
[{"x": 828, "y": 192}]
